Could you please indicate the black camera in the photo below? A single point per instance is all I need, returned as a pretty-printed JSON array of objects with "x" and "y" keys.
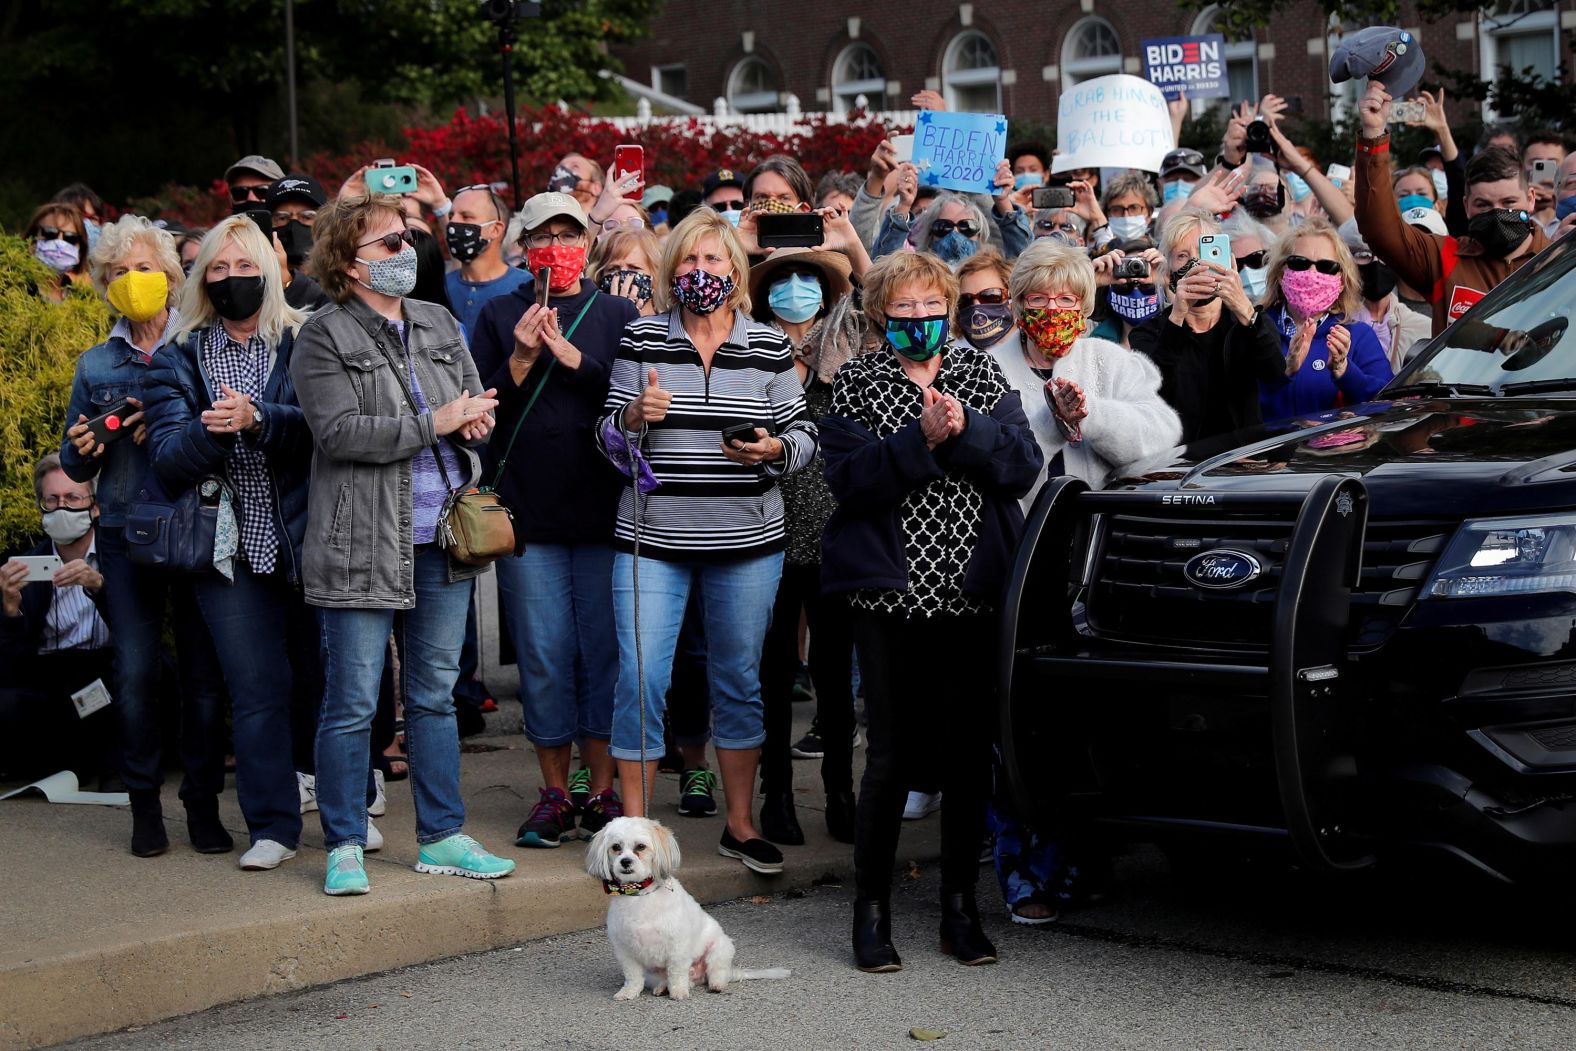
[
  {"x": 510, "y": 10},
  {"x": 1259, "y": 140},
  {"x": 1131, "y": 268}
]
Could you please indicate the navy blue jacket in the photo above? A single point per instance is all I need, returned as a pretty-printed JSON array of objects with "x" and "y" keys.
[
  {"x": 20, "y": 636},
  {"x": 183, "y": 451},
  {"x": 561, "y": 489}
]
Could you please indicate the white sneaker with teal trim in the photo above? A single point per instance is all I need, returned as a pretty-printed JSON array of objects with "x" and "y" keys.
[
  {"x": 460, "y": 855},
  {"x": 346, "y": 873}
]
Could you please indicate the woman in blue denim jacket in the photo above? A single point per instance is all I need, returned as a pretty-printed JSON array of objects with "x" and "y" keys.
[{"x": 135, "y": 266}]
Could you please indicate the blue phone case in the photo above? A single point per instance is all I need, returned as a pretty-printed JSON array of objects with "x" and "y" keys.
[
  {"x": 1216, "y": 248},
  {"x": 401, "y": 179}
]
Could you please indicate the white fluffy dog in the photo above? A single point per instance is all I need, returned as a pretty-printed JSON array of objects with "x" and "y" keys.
[{"x": 661, "y": 936}]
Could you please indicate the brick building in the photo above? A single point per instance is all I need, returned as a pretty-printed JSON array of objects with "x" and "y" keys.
[{"x": 1017, "y": 56}]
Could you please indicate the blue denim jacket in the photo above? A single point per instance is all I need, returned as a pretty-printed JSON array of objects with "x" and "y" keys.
[{"x": 106, "y": 373}]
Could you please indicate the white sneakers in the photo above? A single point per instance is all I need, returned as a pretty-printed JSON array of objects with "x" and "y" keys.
[
  {"x": 921, "y": 804},
  {"x": 374, "y": 838},
  {"x": 380, "y": 802},
  {"x": 265, "y": 854},
  {"x": 306, "y": 784}
]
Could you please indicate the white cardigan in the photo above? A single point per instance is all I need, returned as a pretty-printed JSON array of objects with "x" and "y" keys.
[{"x": 1127, "y": 420}]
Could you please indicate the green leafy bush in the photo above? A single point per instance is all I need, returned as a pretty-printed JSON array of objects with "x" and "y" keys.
[{"x": 39, "y": 345}]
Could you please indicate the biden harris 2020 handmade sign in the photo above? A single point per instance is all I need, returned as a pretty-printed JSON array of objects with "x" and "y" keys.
[
  {"x": 1115, "y": 121},
  {"x": 1194, "y": 65},
  {"x": 959, "y": 151}
]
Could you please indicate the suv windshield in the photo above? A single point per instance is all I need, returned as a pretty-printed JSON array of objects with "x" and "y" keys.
[{"x": 1517, "y": 340}]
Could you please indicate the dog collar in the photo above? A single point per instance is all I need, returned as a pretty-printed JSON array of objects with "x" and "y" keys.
[{"x": 627, "y": 889}]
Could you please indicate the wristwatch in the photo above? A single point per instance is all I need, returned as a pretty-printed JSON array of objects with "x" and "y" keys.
[{"x": 257, "y": 415}]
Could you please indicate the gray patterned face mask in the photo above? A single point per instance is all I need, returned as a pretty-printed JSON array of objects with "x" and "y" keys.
[{"x": 394, "y": 276}]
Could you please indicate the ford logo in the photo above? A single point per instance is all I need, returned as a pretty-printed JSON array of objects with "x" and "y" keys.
[{"x": 1221, "y": 569}]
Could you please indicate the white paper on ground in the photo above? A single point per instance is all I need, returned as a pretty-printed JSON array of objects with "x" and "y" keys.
[{"x": 63, "y": 788}]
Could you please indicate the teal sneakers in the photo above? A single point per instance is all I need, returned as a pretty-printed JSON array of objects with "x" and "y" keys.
[
  {"x": 346, "y": 873},
  {"x": 460, "y": 855}
]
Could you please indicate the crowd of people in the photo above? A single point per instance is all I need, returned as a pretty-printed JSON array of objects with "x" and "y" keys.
[{"x": 736, "y": 473}]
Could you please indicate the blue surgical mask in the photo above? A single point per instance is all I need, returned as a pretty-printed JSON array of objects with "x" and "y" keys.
[
  {"x": 795, "y": 298},
  {"x": 733, "y": 215},
  {"x": 1299, "y": 186},
  {"x": 659, "y": 215},
  {"x": 954, "y": 248},
  {"x": 93, "y": 229},
  {"x": 1177, "y": 190},
  {"x": 1028, "y": 179},
  {"x": 1564, "y": 207},
  {"x": 1441, "y": 184},
  {"x": 1129, "y": 227},
  {"x": 1255, "y": 279},
  {"x": 1414, "y": 200}
]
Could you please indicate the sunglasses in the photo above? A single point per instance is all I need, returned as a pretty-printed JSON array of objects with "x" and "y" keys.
[
  {"x": 1143, "y": 288},
  {"x": 50, "y": 233},
  {"x": 988, "y": 297},
  {"x": 473, "y": 186},
  {"x": 241, "y": 194},
  {"x": 1328, "y": 267},
  {"x": 729, "y": 206},
  {"x": 391, "y": 242},
  {"x": 1253, "y": 260},
  {"x": 942, "y": 227}
]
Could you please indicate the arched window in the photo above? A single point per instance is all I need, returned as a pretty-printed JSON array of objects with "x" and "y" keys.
[
  {"x": 752, "y": 87},
  {"x": 1521, "y": 35},
  {"x": 1091, "y": 49},
  {"x": 1242, "y": 64},
  {"x": 971, "y": 74},
  {"x": 856, "y": 72}
]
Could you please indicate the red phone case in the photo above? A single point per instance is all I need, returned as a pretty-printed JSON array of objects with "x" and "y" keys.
[{"x": 629, "y": 160}]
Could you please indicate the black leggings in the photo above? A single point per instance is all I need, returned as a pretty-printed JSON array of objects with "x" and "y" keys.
[
  {"x": 930, "y": 701},
  {"x": 831, "y": 671}
]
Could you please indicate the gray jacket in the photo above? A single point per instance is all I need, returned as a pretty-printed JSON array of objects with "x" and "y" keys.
[{"x": 357, "y": 551}]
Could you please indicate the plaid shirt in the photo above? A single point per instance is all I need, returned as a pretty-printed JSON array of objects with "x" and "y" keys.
[{"x": 245, "y": 371}]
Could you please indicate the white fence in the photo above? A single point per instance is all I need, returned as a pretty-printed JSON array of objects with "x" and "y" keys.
[{"x": 785, "y": 123}]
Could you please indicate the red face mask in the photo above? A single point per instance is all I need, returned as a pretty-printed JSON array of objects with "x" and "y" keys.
[{"x": 567, "y": 263}]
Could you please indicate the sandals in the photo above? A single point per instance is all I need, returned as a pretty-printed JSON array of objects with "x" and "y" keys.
[
  {"x": 1043, "y": 899},
  {"x": 395, "y": 767}
]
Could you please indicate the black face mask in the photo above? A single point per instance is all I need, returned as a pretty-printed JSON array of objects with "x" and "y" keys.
[
  {"x": 1179, "y": 273},
  {"x": 640, "y": 283},
  {"x": 236, "y": 298},
  {"x": 1499, "y": 230},
  {"x": 986, "y": 323},
  {"x": 465, "y": 241},
  {"x": 296, "y": 237},
  {"x": 1378, "y": 281},
  {"x": 1262, "y": 202}
]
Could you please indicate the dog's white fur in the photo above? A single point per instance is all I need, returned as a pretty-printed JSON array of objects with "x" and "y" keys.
[{"x": 662, "y": 937}]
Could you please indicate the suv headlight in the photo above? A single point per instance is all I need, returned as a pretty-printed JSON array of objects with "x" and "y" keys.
[{"x": 1507, "y": 556}]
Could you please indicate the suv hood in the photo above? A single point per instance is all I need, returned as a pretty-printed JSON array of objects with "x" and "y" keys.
[{"x": 1416, "y": 456}]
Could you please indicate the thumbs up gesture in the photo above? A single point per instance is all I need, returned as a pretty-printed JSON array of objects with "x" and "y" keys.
[{"x": 651, "y": 406}]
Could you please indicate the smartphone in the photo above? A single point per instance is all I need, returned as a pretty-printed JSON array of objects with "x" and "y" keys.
[
  {"x": 904, "y": 146},
  {"x": 544, "y": 279},
  {"x": 1339, "y": 174},
  {"x": 109, "y": 426},
  {"x": 39, "y": 567},
  {"x": 789, "y": 230},
  {"x": 1407, "y": 110},
  {"x": 627, "y": 161},
  {"x": 387, "y": 177},
  {"x": 1543, "y": 171},
  {"x": 740, "y": 432},
  {"x": 1215, "y": 248},
  {"x": 1053, "y": 197},
  {"x": 263, "y": 219}
]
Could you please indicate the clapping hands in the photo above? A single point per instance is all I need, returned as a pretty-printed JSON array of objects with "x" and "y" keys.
[{"x": 942, "y": 417}]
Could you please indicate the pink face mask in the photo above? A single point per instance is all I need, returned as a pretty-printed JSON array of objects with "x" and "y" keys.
[{"x": 1310, "y": 293}]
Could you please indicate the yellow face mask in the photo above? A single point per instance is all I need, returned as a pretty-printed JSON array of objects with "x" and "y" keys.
[{"x": 139, "y": 295}]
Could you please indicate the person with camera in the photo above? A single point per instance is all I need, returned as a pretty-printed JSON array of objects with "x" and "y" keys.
[
  {"x": 548, "y": 352},
  {"x": 396, "y": 409},
  {"x": 1128, "y": 292},
  {"x": 477, "y": 221},
  {"x": 136, "y": 270},
  {"x": 1211, "y": 352},
  {"x": 223, "y": 420}
]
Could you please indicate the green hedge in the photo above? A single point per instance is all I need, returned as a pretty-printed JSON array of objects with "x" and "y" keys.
[{"x": 39, "y": 345}]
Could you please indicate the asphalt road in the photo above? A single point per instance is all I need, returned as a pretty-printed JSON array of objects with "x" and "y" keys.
[{"x": 1256, "y": 958}]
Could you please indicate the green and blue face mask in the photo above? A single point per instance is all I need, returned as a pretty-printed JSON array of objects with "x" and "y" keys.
[{"x": 917, "y": 338}]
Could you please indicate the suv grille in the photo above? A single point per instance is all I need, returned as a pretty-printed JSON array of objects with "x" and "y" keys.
[{"x": 1138, "y": 591}]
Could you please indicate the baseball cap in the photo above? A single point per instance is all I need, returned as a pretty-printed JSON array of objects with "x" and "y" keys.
[
  {"x": 545, "y": 206},
  {"x": 296, "y": 187},
  {"x": 1427, "y": 218},
  {"x": 655, "y": 195},
  {"x": 1183, "y": 160},
  {"x": 720, "y": 178},
  {"x": 1389, "y": 55},
  {"x": 254, "y": 164}
]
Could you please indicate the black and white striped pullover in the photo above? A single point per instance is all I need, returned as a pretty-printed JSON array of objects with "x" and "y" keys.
[{"x": 707, "y": 507}]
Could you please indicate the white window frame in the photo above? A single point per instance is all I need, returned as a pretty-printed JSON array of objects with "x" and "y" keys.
[
  {"x": 755, "y": 101},
  {"x": 1235, "y": 51},
  {"x": 844, "y": 92},
  {"x": 656, "y": 77},
  {"x": 1494, "y": 28},
  {"x": 1076, "y": 70},
  {"x": 969, "y": 78}
]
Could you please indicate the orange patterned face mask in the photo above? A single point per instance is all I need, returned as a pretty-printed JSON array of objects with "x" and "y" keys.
[
  {"x": 767, "y": 204},
  {"x": 1053, "y": 331}
]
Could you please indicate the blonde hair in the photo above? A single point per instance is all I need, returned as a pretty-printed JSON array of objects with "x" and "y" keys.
[
  {"x": 617, "y": 244},
  {"x": 197, "y": 311},
  {"x": 986, "y": 259},
  {"x": 1047, "y": 263},
  {"x": 120, "y": 237},
  {"x": 337, "y": 233},
  {"x": 1188, "y": 225},
  {"x": 891, "y": 272},
  {"x": 682, "y": 241},
  {"x": 1351, "y": 299}
]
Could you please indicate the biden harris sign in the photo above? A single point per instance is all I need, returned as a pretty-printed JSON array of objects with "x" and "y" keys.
[{"x": 1194, "y": 65}]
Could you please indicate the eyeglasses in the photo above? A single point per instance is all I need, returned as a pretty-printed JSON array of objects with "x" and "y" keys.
[
  {"x": 917, "y": 308},
  {"x": 942, "y": 227},
  {"x": 1052, "y": 224},
  {"x": 392, "y": 241},
  {"x": 1253, "y": 260},
  {"x": 729, "y": 206},
  {"x": 989, "y": 296},
  {"x": 306, "y": 218},
  {"x": 242, "y": 194},
  {"x": 547, "y": 240},
  {"x": 50, "y": 233},
  {"x": 1328, "y": 267},
  {"x": 71, "y": 502},
  {"x": 1041, "y": 301},
  {"x": 609, "y": 225}
]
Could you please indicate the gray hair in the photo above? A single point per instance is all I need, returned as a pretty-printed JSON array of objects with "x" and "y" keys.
[
  {"x": 1130, "y": 182},
  {"x": 933, "y": 212},
  {"x": 120, "y": 237},
  {"x": 838, "y": 182},
  {"x": 50, "y": 464},
  {"x": 1240, "y": 224},
  {"x": 1185, "y": 225},
  {"x": 1049, "y": 214}
]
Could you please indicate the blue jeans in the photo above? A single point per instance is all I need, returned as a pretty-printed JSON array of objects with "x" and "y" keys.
[
  {"x": 265, "y": 635},
  {"x": 560, "y": 603},
  {"x": 136, "y": 597},
  {"x": 736, "y": 604},
  {"x": 354, "y": 643}
]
